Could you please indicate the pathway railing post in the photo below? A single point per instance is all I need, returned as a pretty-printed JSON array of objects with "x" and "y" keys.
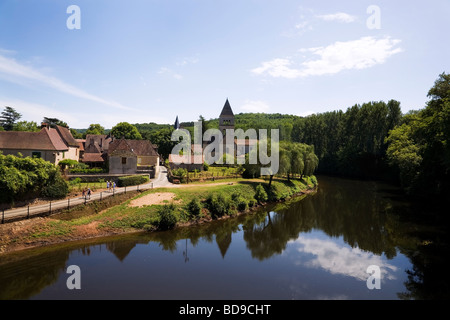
[
  {"x": 68, "y": 204},
  {"x": 50, "y": 207},
  {"x": 28, "y": 212},
  {"x": 101, "y": 196}
]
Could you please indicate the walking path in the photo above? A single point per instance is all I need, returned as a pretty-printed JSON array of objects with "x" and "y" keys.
[{"x": 158, "y": 182}]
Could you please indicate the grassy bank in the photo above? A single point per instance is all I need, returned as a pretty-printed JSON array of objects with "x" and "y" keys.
[{"x": 194, "y": 203}]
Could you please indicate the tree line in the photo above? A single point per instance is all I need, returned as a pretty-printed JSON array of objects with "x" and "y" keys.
[{"x": 371, "y": 141}]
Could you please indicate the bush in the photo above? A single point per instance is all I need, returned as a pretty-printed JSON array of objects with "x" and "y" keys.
[
  {"x": 180, "y": 172},
  {"x": 261, "y": 194},
  {"x": 252, "y": 203},
  {"x": 205, "y": 166},
  {"x": 279, "y": 192},
  {"x": 167, "y": 217},
  {"x": 56, "y": 188},
  {"x": 242, "y": 204},
  {"x": 218, "y": 205},
  {"x": 132, "y": 181},
  {"x": 24, "y": 178},
  {"x": 194, "y": 207}
]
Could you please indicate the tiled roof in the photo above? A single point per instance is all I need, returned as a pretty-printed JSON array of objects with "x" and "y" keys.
[
  {"x": 81, "y": 143},
  {"x": 66, "y": 135},
  {"x": 93, "y": 157},
  {"x": 46, "y": 139},
  {"x": 136, "y": 147}
]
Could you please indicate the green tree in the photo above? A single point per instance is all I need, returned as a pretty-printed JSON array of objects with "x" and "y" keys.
[
  {"x": 55, "y": 122},
  {"x": 420, "y": 146},
  {"x": 96, "y": 129},
  {"x": 8, "y": 118},
  {"x": 76, "y": 134},
  {"x": 162, "y": 138},
  {"x": 29, "y": 126},
  {"x": 126, "y": 131}
]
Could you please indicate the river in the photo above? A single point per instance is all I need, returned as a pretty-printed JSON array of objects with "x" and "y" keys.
[{"x": 314, "y": 247}]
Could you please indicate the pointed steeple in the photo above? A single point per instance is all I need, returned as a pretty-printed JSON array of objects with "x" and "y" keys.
[
  {"x": 177, "y": 124},
  {"x": 226, "y": 111}
]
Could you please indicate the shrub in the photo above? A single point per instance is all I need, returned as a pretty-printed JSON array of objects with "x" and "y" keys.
[
  {"x": 180, "y": 172},
  {"x": 218, "y": 205},
  {"x": 131, "y": 181},
  {"x": 167, "y": 217},
  {"x": 242, "y": 204},
  {"x": 252, "y": 203},
  {"x": 194, "y": 207},
  {"x": 56, "y": 187},
  {"x": 261, "y": 194},
  {"x": 277, "y": 192},
  {"x": 205, "y": 166}
]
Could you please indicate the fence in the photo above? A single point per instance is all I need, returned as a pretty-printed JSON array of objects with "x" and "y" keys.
[{"x": 53, "y": 206}]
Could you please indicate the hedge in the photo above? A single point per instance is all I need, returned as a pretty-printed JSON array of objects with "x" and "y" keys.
[{"x": 132, "y": 181}]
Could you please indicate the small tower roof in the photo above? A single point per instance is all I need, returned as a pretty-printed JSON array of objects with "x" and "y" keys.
[
  {"x": 177, "y": 124},
  {"x": 226, "y": 111}
]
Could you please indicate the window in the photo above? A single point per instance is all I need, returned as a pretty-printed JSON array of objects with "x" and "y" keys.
[
  {"x": 124, "y": 160},
  {"x": 36, "y": 154},
  {"x": 64, "y": 154}
]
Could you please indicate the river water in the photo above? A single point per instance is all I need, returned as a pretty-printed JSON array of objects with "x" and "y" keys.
[{"x": 314, "y": 247}]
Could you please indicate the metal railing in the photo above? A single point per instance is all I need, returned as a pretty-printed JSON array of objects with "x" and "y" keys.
[{"x": 55, "y": 206}]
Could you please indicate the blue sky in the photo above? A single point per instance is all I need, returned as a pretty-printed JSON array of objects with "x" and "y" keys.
[{"x": 149, "y": 61}]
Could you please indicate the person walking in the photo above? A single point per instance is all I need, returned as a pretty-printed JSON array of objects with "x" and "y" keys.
[
  {"x": 89, "y": 193},
  {"x": 107, "y": 186}
]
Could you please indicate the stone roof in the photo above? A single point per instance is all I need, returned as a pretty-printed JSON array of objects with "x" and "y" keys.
[
  {"x": 93, "y": 157},
  {"x": 46, "y": 139},
  {"x": 226, "y": 111},
  {"x": 81, "y": 143},
  {"x": 141, "y": 148},
  {"x": 67, "y": 137}
]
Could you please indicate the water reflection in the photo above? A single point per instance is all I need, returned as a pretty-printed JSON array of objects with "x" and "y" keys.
[
  {"x": 340, "y": 259},
  {"x": 360, "y": 223}
]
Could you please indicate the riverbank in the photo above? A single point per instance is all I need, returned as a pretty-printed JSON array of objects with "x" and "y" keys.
[{"x": 140, "y": 211}]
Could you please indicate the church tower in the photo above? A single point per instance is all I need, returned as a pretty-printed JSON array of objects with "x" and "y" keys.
[{"x": 226, "y": 118}]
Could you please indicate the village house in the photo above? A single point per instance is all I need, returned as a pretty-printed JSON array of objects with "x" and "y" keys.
[
  {"x": 95, "y": 148},
  {"x": 133, "y": 157},
  {"x": 52, "y": 144}
]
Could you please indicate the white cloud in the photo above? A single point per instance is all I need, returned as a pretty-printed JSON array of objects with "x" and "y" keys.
[
  {"x": 344, "y": 260},
  {"x": 13, "y": 71},
  {"x": 339, "y": 16},
  {"x": 255, "y": 106},
  {"x": 278, "y": 68},
  {"x": 339, "y": 56}
]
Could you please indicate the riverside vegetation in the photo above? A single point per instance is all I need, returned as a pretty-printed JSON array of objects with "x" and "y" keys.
[{"x": 198, "y": 203}]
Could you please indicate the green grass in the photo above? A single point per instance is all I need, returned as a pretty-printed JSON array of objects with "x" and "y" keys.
[{"x": 124, "y": 217}]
